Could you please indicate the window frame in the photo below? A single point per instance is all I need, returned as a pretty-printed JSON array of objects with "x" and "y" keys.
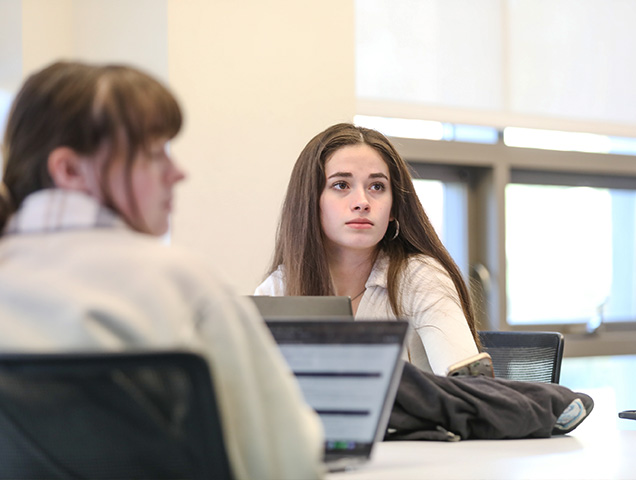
[{"x": 491, "y": 168}]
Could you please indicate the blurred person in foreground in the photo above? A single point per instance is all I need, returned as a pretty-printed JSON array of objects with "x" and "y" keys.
[{"x": 86, "y": 193}]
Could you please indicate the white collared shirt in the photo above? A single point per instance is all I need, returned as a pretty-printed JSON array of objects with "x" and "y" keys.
[{"x": 439, "y": 335}]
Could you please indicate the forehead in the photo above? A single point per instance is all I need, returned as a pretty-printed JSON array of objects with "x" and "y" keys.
[{"x": 356, "y": 158}]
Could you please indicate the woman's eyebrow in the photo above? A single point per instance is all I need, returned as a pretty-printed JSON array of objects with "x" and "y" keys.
[
  {"x": 378, "y": 175},
  {"x": 340, "y": 174},
  {"x": 349, "y": 174}
]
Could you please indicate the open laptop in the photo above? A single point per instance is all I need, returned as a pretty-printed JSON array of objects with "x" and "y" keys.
[
  {"x": 306, "y": 307},
  {"x": 349, "y": 373}
]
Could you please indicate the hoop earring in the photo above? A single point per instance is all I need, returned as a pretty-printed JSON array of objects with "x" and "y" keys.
[{"x": 397, "y": 229}]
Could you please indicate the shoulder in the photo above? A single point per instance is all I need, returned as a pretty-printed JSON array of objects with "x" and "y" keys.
[
  {"x": 195, "y": 281},
  {"x": 273, "y": 285},
  {"x": 417, "y": 268},
  {"x": 424, "y": 265},
  {"x": 425, "y": 277},
  {"x": 146, "y": 258}
]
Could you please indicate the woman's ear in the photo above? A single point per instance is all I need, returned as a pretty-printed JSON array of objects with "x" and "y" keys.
[{"x": 67, "y": 169}]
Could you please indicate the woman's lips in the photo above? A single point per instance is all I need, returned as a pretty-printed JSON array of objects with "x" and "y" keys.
[{"x": 360, "y": 223}]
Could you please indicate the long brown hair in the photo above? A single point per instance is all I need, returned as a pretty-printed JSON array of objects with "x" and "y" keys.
[
  {"x": 299, "y": 240},
  {"x": 82, "y": 107}
]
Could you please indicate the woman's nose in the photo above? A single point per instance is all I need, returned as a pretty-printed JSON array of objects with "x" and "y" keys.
[
  {"x": 360, "y": 203},
  {"x": 176, "y": 173}
]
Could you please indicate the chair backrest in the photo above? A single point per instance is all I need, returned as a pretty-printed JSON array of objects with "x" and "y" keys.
[
  {"x": 529, "y": 356},
  {"x": 109, "y": 415}
]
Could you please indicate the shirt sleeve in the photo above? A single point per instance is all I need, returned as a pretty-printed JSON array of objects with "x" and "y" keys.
[{"x": 436, "y": 315}]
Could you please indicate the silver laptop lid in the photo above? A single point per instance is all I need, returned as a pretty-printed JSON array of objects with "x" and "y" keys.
[{"x": 307, "y": 307}]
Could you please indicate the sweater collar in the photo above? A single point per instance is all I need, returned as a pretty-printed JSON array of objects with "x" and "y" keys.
[
  {"x": 378, "y": 275},
  {"x": 54, "y": 210}
]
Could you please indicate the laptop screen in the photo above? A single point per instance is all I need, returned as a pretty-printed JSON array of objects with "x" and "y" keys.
[{"x": 348, "y": 372}]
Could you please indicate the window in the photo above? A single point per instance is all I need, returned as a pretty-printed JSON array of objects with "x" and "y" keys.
[
  {"x": 544, "y": 218},
  {"x": 548, "y": 235},
  {"x": 443, "y": 194},
  {"x": 430, "y": 130},
  {"x": 558, "y": 253},
  {"x": 570, "y": 249},
  {"x": 431, "y": 195},
  {"x": 568, "y": 141},
  {"x": 5, "y": 105}
]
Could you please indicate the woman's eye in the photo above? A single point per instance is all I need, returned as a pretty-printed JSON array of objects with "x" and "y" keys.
[
  {"x": 378, "y": 187},
  {"x": 339, "y": 185}
]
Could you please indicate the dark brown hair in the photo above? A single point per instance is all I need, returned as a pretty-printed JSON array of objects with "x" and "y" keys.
[
  {"x": 82, "y": 107},
  {"x": 299, "y": 240}
]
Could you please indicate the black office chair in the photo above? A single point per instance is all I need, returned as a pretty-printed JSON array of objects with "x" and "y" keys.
[
  {"x": 109, "y": 416},
  {"x": 528, "y": 356}
]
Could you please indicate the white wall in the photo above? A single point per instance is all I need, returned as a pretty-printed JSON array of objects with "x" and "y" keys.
[
  {"x": 10, "y": 38},
  {"x": 257, "y": 79}
]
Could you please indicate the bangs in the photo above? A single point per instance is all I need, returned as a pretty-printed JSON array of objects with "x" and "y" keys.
[
  {"x": 131, "y": 104},
  {"x": 161, "y": 115}
]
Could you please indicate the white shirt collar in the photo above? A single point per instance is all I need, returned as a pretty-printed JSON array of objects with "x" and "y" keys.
[
  {"x": 378, "y": 275},
  {"x": 56, "y": 209}
]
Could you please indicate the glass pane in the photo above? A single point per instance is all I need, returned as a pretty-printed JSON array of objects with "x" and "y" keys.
[
  {"x": 603, "y": 378},
  {"x": 572, "y": 141},
  {"x": 402, "y": 127},
  {"x": 472, "y": 133},
  {"x": 624, "y": 145},
  {"x": 570, "y": 254},
  {"x": 431, "y": 195},
  {"x": 5, "y": 105},
  {"x": 428, "y": 130},
  {"x": 445, "y": 205},
  {"x": 556, "y": 140}
]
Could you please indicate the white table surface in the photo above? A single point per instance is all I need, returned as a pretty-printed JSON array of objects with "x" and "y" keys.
[{"x": 597, "y": 449}]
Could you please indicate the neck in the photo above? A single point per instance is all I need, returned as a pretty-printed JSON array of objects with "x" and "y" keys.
[{"x": 350, "y": 271}]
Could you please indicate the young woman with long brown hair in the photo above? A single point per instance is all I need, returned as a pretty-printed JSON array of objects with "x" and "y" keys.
[{"x": 352, "y": 225}]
